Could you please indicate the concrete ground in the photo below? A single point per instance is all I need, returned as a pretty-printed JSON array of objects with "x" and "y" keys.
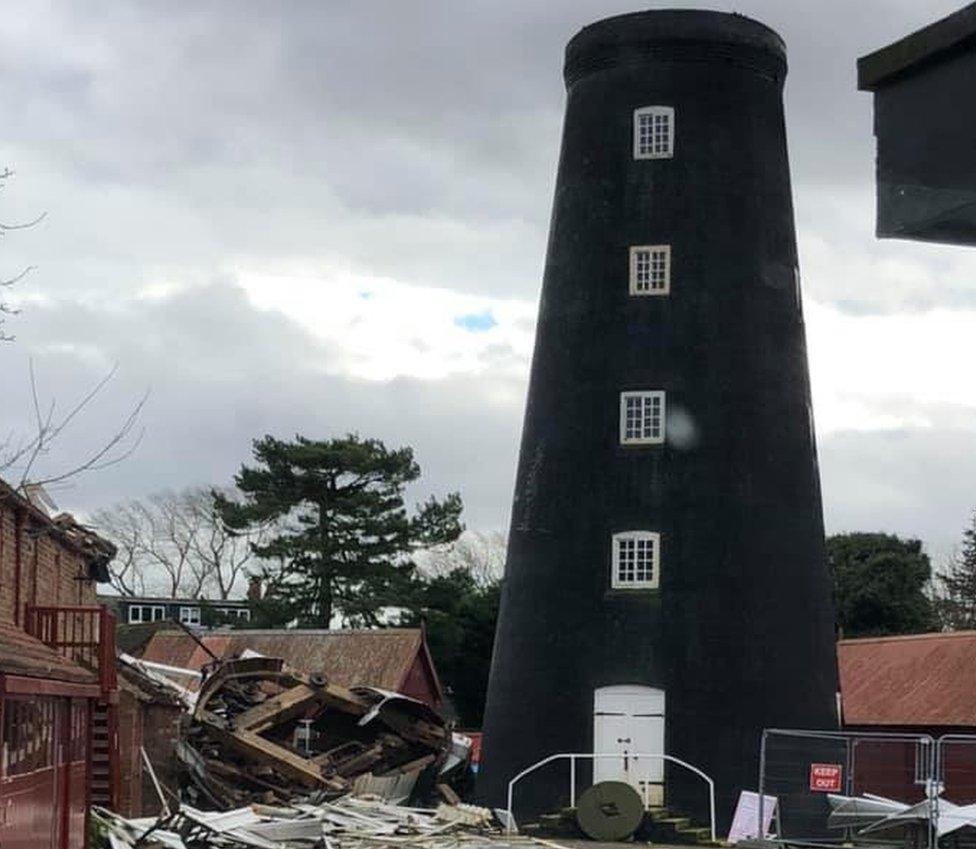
[{"x": 579, "y": 843}]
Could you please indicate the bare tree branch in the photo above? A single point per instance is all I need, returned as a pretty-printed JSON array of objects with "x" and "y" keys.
[
  {"x": 176, "y": 543},
  {"x": 7, "y": 283},
  {"x": 49, "y": 427}
]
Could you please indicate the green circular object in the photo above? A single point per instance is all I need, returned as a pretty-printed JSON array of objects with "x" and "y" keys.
[{"x": 609, "y": 811}]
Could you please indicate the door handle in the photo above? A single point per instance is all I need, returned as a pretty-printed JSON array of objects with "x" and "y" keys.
[{"x": 623, "y": 739}]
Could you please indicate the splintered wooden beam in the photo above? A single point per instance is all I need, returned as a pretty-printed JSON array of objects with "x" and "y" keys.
[
  {"x": 414, "y": 729},
  {"x": 257, "y": 749},
  {"x": 278, "y": 709}
]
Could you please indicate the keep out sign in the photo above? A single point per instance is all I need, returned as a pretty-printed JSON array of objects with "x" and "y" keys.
[{"x": 825, "y": 778}]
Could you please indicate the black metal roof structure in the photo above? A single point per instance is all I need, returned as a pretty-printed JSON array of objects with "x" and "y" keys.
[
  {"x": 936, "y": 41},
  {"x": 925, "y": 125}
]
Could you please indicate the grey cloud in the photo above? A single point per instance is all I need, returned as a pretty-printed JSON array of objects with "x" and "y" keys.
[
  {"x": 223, "y": 373},
  {"x": 404, "y": 138},
  {"x": 413, "y": 140},
  {"x": 915, "y": 482}
]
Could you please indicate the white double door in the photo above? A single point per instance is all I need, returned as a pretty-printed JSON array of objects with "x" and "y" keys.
[{"x": 628, "y": 721}]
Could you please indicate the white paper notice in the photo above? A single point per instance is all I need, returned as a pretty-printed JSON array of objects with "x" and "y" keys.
[{"x": 746, "y": 820}]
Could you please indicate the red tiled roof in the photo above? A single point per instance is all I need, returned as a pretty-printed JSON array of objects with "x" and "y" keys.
[
  {"x": 915, "y": 680},
  {"x": 375, "y": 658},
  {"x": 21, "y": 654}
]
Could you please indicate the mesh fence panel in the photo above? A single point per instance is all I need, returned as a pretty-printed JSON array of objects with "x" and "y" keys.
[
  {"x": 957, "y": 769},
  {"x": 802, "y": 769}
]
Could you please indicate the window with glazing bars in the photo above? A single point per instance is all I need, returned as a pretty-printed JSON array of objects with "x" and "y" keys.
[
  {"x": 636, "y": 560},
  {"x": 146, "y": 613},
  {"x": 654, "y": 132},
  {"x": 650, "y": 270},
  {"x": 641, "y": 417}
]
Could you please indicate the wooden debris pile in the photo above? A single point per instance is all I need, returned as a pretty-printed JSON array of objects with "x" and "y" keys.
[
  {"x": 262, "y": 732},
  {"x": 348, "y": 823}
]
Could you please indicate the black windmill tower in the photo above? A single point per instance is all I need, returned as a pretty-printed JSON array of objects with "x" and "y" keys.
[{"x": 666, "y": 584}]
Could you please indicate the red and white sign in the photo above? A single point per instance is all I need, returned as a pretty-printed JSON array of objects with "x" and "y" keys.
[{"x": 825, "y": 778}]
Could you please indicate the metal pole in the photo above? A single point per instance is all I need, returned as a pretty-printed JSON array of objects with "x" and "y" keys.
[
  {"x": 711, "y": 804},
  {"x": 155, "y": 781},
  {"x": 762, "y": 788},
  {"x": 510, "y": 820},
  {"x": 932, "y": 786},
  {"x": 572, "y": 781},
  {"x": 849, "y": 781}
]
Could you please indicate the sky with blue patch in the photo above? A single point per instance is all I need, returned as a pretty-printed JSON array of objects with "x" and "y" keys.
[{"x": 323, "y": 217}]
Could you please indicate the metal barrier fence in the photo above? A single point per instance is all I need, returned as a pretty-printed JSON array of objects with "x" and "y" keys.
[
  {"x": 573, "y": 757},
  {"x": 806, "y": 770}
]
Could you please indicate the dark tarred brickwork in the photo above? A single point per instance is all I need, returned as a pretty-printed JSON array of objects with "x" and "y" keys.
[{"x": 740, "y": 633}]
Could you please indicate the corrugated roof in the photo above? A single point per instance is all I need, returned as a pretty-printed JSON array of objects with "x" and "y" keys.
[
  {"x": 376, "y": 658},
  {"x": 915, "y": 680},
  {"x": 21, "y": 654}
]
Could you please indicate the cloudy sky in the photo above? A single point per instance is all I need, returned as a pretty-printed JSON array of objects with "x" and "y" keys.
[{"x": 328, "y": 216}]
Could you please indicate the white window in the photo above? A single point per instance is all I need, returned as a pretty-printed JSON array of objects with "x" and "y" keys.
[
  {"x": 190, "y": 615},
  {"x": 641, "y": 417},
  {"x": 239, "y": 612},
  {"x": 654, "y": 132},
  {"x": 650, "y": 269},
  {"x": 146, "y": 613},
  {"x": 636, "y": 560}
]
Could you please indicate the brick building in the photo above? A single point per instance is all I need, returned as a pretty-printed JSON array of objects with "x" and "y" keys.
[
  {"x": 195, "y": 612},
  {"x": 57, "y": 676},
  {"x": 914, "y": 684},
  {"x": 149, "y": 721}
]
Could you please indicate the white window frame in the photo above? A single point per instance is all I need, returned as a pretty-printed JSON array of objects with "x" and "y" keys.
[
  {"x": 644, "y": 395},
  {"x": 653, "y": 114},
  {"x": 190, "y": 615},
  {"x": 654, "y": 253},
  {"x": 239, "y": 612},
  {"x": 142, "y": 608},
  {"x": 617, "y": 582}
]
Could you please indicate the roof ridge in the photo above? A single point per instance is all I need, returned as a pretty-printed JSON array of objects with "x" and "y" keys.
[
  {"x": 891, "y": 638},
  {"x": 403, "y": 630}
]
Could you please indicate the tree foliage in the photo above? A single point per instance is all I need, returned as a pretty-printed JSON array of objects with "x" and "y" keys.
[
  {"x": 460, "y": 613},
  {"x": 343, "y": 542},
  {"x": 880, "y": 584},
  {"x": 956, "y": 597}
]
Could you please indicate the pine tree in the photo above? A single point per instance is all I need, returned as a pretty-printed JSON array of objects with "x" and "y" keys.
[
  {"x": 956, "y": 602},
  {"x": 880, "y": 584},
  {"x": 342, "y": 538}
]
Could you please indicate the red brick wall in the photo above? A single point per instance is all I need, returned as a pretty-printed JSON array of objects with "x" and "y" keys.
[
  {"x": 156, "y": 727},
  {"x": 51, "y": 573},
  {"x": 130, "y": 765}
]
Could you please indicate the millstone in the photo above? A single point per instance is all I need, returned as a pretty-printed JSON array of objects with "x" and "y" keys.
[{"x": 609, "y": 811}]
